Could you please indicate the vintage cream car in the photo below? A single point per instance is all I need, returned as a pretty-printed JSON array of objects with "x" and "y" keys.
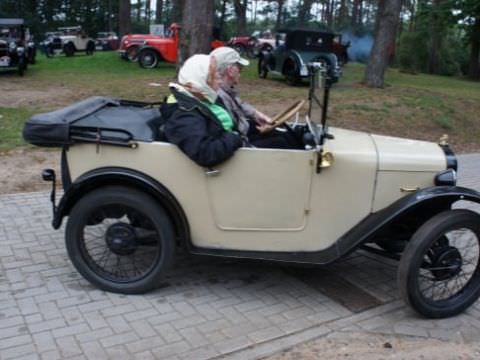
[{"x": 132, "y": 199}]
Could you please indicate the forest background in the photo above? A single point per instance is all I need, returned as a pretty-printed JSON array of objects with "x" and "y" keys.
[{"x": 431, "y": 36}]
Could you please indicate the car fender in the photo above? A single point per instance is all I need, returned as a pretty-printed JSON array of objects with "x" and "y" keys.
[
  {"x": 126, "y": 177},
  {"x": 148, "y": 47},
  {"x": 420, "y": 205},
  {"x": 294, "y": 56}
]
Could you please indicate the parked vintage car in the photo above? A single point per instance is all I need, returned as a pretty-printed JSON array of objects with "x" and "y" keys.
[
  {"x": 68, "y": 41},
  {"x": 107, "y": 41},
  {"x": 132, "y": 199},
  {"x": 155, "y": 49},
  {"x": 295, "y": 49},
  {"x": 252, "y": 46},
  {"x": 13, "y": 51}
]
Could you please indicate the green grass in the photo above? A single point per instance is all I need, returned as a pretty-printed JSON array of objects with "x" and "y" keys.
[
  {"x": 418, "y": 106},
  {"x": 11, "y": 125}
]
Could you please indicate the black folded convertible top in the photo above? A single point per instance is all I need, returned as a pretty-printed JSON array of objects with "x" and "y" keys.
[{"x": 96, "y": 119}]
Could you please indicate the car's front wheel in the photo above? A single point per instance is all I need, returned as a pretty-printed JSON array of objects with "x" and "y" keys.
[
  {"x": 148, "y": 59},
  {"x": 69, "y": 49},
  {"x": 120, "y": 239},
  {"x": 132, "y": 53},
  {"x": 439, "y": 272}
]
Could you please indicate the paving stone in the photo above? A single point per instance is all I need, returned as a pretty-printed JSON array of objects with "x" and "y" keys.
[
  {"x": 210, "y": 307},
  {"x": 118, "y": 339}
]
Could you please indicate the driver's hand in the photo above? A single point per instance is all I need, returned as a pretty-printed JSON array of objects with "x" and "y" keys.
[
  {"x": 262, "y": 119},
  {"x": 265, "y": 128}
]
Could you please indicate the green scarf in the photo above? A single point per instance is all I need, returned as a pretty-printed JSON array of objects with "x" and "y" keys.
[{"x": 221, "y": 114}]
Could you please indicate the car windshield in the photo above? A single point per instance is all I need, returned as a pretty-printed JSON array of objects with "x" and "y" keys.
[{"x": 317, "y": 88}]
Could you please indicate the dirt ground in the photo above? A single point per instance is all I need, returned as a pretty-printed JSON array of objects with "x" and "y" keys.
[{"x": 365, "y": 346}]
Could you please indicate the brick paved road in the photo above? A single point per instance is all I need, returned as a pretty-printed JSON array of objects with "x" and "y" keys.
[{"x": 206, "y": 308}]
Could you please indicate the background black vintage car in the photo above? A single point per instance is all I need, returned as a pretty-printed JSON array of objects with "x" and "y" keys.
[
  {"x": 13, "y": 51},
  {"x": 294, "y": 49}
]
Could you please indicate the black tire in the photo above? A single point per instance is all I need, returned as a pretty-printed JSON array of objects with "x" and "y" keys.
[
  {"x": 90, "y": 48},
  {"x": 434, "y": 258},
  {"x": 69, "y": 49},
  {"x": 292, "y": 74},
  {"x": 262, "y": 67},
  {"x": 120, "y": 239},
  {"x": 132, "y": 53},
  {"x": 148, "y": 59}
]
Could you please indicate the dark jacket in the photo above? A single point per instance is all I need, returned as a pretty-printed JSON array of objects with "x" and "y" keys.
[{"x": 197, "y": 132}]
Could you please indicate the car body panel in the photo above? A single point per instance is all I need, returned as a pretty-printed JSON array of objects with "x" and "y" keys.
[
  {"x": 306, "y": 223},
  {"x": 408, "y": 155}
]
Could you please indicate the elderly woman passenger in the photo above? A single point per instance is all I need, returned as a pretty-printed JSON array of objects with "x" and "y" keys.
[{"x": 199, "y": 126}]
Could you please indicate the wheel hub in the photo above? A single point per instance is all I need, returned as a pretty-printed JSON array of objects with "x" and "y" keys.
[
  {"x": 447, "y": 263},
  {"x": 121, "y": 239}
]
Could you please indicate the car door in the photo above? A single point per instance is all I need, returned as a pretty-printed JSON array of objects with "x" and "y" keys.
[{"x": 262, "y": 189}]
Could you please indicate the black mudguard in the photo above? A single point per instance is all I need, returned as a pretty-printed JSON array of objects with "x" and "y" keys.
[{"x": 120, "y": 176}]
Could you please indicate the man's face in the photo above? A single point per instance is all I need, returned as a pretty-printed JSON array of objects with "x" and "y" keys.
[{"x": 233, "y": 73}]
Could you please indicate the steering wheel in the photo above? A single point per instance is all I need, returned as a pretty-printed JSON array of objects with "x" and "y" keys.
[{"x": 287, "y": 114}]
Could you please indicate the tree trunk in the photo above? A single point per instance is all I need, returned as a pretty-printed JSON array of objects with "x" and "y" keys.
[
  {"x": 342, "y": 13},
  {"x": 197, "y": 28},
  {"x": 388, "y": 15},
  {"x": 435, "y": 36},
  {"x": 177, "y": 10},
  {"x": 223, "y": 12},
  {"x": 304, "y": 12},
  {"x": 355, "y": 16},
  {"x": 474, "y": 66},
  {"x": 124, "y": 21},
  {"x": 138, "y": 7},
  {"x": 110, "y": 12},
  {"x": 240, "y": 7},
  {"x": 278, "y": 21},
  {"x": 148, "y": 13},
  {"x": 159, "y": 12}
]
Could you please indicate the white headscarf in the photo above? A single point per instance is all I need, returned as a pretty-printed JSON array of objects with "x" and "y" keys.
[{"x": 194, "y": 76}]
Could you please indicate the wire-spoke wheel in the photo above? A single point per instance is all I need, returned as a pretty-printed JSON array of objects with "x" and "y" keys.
[
  {"x": 439, "y": 272},
  {"x": 120, "y": 240}
]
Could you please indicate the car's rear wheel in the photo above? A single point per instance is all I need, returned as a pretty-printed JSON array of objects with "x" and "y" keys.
[
  {"x": 292, "y": 73},
  {"x": 439, "y": 272},
  {"x": 69, "y": 49},
  {"x": 120, "y": 240},
  {"x": 148, "y": 59}
]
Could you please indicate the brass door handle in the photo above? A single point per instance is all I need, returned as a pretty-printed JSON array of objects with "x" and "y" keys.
[{"x": 409, "y": 189}]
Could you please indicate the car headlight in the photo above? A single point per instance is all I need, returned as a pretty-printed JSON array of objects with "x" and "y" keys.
[
  {"x": 446, "y": 178},
  {"x": 12, "y": 45}
]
